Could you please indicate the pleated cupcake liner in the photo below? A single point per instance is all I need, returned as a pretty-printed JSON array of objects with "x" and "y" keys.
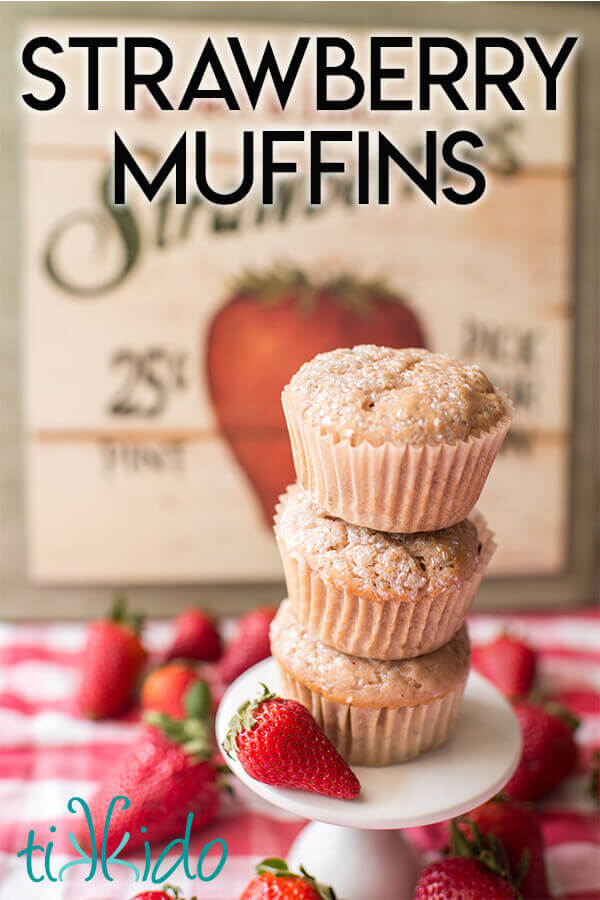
[
  {"x": 371, "y": 736},
  {"x": 392, "y": 487},
  {"x": 391, "y": 628}
]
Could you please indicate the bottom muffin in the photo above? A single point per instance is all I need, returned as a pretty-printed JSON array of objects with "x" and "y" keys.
[{"x": 376, "y": 712}]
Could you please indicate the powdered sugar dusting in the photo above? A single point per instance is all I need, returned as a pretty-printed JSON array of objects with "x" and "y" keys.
[
  {"x": 373, "y": 563},
  {"x": 382, "y": 393}
]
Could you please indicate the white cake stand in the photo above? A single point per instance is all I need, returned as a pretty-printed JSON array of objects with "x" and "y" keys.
[{"x": 355, "y": 845}]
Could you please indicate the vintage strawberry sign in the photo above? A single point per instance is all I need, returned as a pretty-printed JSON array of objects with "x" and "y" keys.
[
  {"x": 159, "y": 336},
  {"x": 273, "y": 322}
]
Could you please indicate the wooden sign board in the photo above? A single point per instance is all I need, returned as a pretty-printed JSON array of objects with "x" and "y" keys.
[{"x": 140, "y": 354}]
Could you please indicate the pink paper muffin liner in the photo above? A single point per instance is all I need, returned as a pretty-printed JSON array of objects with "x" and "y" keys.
[
  {"x": 392, "y": 487},
  {"x": 394, "y": 628},
  {"x": 370, "y": 736}
]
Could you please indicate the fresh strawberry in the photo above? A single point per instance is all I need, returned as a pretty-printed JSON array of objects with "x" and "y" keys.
[
  {"x": 166, "y": 773},
  {"x": 111, "y": 664},
  {"x": 154, "y": 895},
  {"x": 166, "y": 688},
  {"x": 509, "y": 663},
  {"x": 594, "y": 782},
  {"x": 517, "y": 829},
  {"x": 274, "y": 881},
  {"x": 168, "y": 893},
  {"x": 462, "y": 879},
  {"x": 250, "y": 644},
  {"x": 196, "y": 637},
  {"x": 273, "y": 322},
  {"x": 549, "y": 750},
  {"x": 278, "y": 742},
  {"x": 478, "y": 869}
]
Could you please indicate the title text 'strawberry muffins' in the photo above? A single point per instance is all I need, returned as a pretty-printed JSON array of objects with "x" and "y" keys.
[
  {"x": 376, "y": 712},
  {"x": 374, "y": 594},
  {"x": 396, "y": 440}
]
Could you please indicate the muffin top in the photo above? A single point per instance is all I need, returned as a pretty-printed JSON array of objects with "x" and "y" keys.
[
  {"x": 367, "y": 682},
  {"x": 408, "y": 396},
  {"x": 375, "y": 564}
]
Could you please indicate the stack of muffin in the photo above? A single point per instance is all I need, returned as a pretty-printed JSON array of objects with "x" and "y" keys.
[{"x": 391, "y": 450}]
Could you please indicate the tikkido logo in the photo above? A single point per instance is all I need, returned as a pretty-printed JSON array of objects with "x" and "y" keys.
[{"x": 99, "y": 863}]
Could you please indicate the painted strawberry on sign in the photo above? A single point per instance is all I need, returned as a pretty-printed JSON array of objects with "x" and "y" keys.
[{"x": 273, "y": 322}]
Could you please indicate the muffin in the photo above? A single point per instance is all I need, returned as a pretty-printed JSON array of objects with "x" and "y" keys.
[
  {"x": 374, "y": 594},
  {"x": 376, "y": 712},
  {"x": 395, "y": 440}
]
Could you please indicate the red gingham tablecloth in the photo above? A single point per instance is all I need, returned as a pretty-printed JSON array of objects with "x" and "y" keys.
[{"x": 48, "y": 755}]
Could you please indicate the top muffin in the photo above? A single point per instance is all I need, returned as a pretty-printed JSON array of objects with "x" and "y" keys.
[{"x": 383, "y": 394}]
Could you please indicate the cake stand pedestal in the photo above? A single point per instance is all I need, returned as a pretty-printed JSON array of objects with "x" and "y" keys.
[{"x": 356, "y": 846}]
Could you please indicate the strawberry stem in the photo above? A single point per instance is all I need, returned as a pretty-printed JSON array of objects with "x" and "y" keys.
[
  {"x": 522, "y": 868},
  {"x": 487, "y": 850},
  {"x": 273, "y": 866},
  {"x": 120, "y": 615},
  {"x": 194, "y": 732},
  {"x": 244, "y": 720},
  {"x": 175, "y": 892},
  {"x": 279, "y": 868},
  {"x": 197, "y": 700},
  {"x": 563, "y": 713}
]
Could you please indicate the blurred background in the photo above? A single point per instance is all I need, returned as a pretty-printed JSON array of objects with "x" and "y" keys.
[{"x": 144, "y": 348}]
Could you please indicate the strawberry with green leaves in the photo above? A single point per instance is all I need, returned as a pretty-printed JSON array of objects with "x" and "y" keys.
[
  {"x": 167, "y": 688},
  {"x": 457, "y": 878},
  {"x": 278, "y": 742},
  {"x": 477, "y": 869},
  {"x": 111, "y": 664},
  {"x": 274, "y": 881},
  {"x": 516, "y": 827},
  {"x": 166, "y": 773}
]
